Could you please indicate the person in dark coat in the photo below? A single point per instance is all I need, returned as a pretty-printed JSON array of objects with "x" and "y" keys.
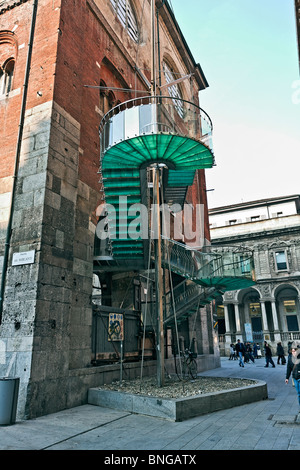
[
  {"x": 268, "y": 355},
  {"x": 249, "y": 352},
  {"x": 240, "y": 349},
  {"x": 280, "y": 354},
  {"x": 293, "y": 368}
]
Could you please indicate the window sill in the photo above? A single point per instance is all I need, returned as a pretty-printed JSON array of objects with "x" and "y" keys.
[{"x": 11, "y": 94}]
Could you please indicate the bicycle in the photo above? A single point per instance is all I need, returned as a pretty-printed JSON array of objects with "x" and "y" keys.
[{"x": 186, "y": 365}]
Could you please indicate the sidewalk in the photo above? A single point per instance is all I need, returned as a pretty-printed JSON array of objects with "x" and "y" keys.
[{"x": 270, "y": 424}]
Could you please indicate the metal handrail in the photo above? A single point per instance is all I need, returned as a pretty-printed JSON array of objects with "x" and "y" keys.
[
  {"x": 187, "y": 261},
  {"x": 134, "y": 102},
  {"x": 209, "y": 262},
  {"x": 154, "y": 115}
]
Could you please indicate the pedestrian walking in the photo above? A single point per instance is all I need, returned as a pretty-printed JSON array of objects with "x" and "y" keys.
[
  {"x": 240, "y": 349},
  {"x": 232, "y": 352},
  {"x": 268, "y": 355},
  {"x": 258, "y": 351},
  {"x": 249, "y": 352},
  {"x": 293, "y": 367},
  {"x": 255, "y": 351},
  {"x": 280, "y": 354}
]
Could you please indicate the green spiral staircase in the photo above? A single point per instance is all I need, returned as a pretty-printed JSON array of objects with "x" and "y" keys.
[{"x": 151, "y": 131}]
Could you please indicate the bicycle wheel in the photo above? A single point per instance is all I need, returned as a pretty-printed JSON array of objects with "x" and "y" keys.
[
  {"x": 180, "y": 367},
  {"x": 185, "y": 367}
]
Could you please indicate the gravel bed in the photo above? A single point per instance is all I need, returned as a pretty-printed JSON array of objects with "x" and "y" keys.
[{"x": 175, "y": 388}]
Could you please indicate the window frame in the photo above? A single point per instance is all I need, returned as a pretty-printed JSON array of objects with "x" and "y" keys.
[
  {"x": 290, "y": 320},
  {"x": 126, "y": 15},
  {"x": 277, "y": 268},
  {"x": 7, "y": 76},
  {"x": 173, "y": 90}
]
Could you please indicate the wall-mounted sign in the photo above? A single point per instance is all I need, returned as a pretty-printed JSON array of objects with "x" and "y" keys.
[
  {"x": 25, "y": 257},
  {"x": 115, "y": 327},
  {"x": 248, "y": 331}
]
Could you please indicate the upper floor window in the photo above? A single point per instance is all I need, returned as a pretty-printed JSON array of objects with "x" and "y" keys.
[
  {"x": 173, "y": 90},
  {"x": 245, "y": 264},
  {"x": 6, "y": 76},
  {"x": 125, "y": 13},
  {"x": 281, "y": 261}
]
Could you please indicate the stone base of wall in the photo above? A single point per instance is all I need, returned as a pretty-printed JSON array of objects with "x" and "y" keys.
[{"x": 74, "y": 389}]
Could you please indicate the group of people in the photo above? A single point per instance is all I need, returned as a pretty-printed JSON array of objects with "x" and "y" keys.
[{"x": 245, "y": 353}]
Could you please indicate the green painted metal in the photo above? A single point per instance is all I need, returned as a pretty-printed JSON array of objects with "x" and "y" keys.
[
  {"x": 226, "y": 283},
  {"x": 122, "y": 183},
  {"x": 139, "y": 133},
  {"x": 179, "y": 178},
  {"x": 120, "y": 169},
  {"x": 177, "y": 152},
  {"x": 229, "y": 269},
  {"x": 135, "y": 137}
]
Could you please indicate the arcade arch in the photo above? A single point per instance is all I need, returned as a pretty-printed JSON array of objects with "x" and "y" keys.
[{"x": 272, "y": 311}]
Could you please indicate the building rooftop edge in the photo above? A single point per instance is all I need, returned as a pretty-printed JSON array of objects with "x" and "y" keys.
[{"x": 258, "y": 202}]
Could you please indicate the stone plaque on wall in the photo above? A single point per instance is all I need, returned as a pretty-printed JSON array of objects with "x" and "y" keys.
[{"x": 25, "y": 257}]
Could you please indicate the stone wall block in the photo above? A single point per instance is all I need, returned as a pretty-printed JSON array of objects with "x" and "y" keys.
[
  {"x": 28, "y": 145},
  {"x": 23, "y": 201},
  {"x": 33, "y": 182},
  {"x": 83, "y": 190},
  {"x": 83, "y": 268},
  {"x": 68, "y": 191},
  {"x": 52, "y": 199},
  {"x": 39, "y": 197}
]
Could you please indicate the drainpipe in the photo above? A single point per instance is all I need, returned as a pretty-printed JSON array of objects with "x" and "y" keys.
[
  {"x": 158, "y": 49},
  {"x": 17, "y": 158}
]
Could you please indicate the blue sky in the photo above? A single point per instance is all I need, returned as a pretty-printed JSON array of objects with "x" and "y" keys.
[{"x": 248, "y": 52}]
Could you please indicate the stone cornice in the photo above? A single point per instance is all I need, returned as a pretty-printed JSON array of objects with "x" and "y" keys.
[
  {"x": 255, "y": 236},
  {"x": 9, "y": 4}
]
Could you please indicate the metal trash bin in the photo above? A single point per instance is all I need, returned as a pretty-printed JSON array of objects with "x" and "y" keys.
[{"x": 9, "y": 391}]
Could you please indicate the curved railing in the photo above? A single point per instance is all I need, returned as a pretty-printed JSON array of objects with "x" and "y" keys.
[
  {"x": 236, "y": 260},
  {"x": 189, "y": 262},
  {"x": 154, "y": 115},
  {"x": 226, "y": 267}
]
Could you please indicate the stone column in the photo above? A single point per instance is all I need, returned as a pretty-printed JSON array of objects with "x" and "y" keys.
[
  {"x": 277, "y": 336},
  {"x": 228, "y": 332},
  {"x": 227, "y": 323},
  {"x": 237, "y": 318},
  {"x": 264, "y": 317}
]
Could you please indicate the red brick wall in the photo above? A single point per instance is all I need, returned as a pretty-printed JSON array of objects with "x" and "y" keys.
[
  {"x": 42, "y": 72},
  {"x": 196, "y": 194},
  {"x": 83, "y": 44},
  {"x": 70, "y": 45}
]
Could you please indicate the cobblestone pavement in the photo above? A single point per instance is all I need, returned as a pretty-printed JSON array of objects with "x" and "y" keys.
[{"x": 271, "y": 424}]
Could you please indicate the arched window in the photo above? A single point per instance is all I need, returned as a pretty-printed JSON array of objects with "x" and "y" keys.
[
  {"x": 173, "y": 90},
  {"x": 6, "y": 76},
  {"x": 125, "y": 13},
  {"x": 107, "y": 98}
]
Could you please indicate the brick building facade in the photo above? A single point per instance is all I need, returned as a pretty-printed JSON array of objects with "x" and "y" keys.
[{"x": 49, "y": 181}]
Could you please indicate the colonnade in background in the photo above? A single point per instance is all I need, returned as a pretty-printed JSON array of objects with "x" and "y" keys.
[{"x": 249, "y": 316}]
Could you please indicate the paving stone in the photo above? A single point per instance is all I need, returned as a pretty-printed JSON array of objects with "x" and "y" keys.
[{"x": 248, "y": 427}]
